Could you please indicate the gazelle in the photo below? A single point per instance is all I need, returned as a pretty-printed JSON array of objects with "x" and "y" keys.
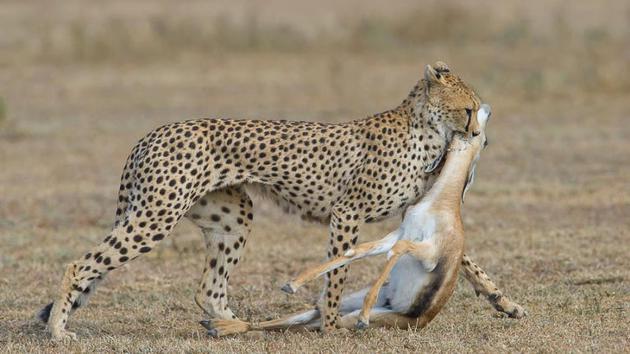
[{"x": 425, "y": 254}]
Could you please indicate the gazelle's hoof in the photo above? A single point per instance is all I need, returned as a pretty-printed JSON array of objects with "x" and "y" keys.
[
  {"x": 288, "y": 288},
  {"x": 205, "y": 324},
  {"x": 218, "y": 327},
  {"x": 361, "y": 325},
  {"x": 212, "y": 332}
]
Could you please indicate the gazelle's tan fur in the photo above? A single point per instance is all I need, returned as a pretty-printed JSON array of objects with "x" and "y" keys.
[{"x": 425, "y": 254}]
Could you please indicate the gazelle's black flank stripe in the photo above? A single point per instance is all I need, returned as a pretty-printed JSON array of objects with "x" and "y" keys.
[{"x": 425, "y": 298}]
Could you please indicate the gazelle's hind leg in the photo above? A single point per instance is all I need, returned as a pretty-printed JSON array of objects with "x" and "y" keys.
[
  {"x": 224, "y": 217},
  {"x": 303, "y": 320},
  {"x": 310, "y": 320},
  {"x": 483, "y": 285}
]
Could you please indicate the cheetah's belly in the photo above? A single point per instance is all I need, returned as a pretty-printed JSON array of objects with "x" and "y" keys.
[{"x": 309, "y": 205}]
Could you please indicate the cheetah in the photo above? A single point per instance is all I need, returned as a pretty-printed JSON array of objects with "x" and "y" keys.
[
  {"x": 205, "y": 170},
  {"x": 425, "y": 253}
]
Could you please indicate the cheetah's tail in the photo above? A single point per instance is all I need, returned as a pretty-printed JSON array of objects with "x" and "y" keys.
[{"x": 44, "y": 314}]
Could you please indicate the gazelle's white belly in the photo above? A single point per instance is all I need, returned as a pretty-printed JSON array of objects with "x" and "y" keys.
[
  {"x": 406, "y": 280},
  {"x": 409, "y": 275}
]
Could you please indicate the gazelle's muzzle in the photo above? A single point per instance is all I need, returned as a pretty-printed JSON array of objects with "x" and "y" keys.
[{"x": 483, "y": 114}]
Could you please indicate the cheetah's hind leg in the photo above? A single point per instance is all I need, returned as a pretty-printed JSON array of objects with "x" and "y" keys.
[
  {"x": 140, "y": 232},
  {"x": 224, "y": 217}
]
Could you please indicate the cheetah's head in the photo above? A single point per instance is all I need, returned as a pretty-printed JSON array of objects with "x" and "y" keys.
[{"x": 449, "y": 101}]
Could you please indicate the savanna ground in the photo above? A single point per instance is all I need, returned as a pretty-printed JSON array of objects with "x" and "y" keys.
[{"x": 548, "y": 218}]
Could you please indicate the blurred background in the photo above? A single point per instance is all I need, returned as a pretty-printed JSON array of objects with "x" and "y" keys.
[{"x": 81, "y": 82}]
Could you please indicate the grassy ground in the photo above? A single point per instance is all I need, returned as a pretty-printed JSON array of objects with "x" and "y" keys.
[{"x": 547, "y": 217}]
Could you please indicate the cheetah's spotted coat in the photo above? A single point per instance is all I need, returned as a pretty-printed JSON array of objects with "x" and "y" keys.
[{"x": 344, "y": 174}]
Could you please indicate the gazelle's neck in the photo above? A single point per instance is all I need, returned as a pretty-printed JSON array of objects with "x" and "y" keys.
[{"x": 447, "y": 189}]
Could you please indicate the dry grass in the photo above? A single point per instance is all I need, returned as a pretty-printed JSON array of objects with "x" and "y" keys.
[{"x": 547, "y": 218}]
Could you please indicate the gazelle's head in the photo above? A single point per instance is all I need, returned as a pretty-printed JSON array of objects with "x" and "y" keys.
[
  {"x": 478, "y": 142},
  {"x": 483, "y": 116}
]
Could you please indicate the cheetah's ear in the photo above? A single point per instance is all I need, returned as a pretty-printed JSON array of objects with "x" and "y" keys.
[
  {"x": 433, "y": 76},
  {"x": 441, "y": 67}
]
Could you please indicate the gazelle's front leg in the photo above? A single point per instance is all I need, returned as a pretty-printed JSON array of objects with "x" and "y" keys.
[
  {"x": 483, "y": 285},
  {"x": 363, "y": 250},
  {"x": 421, "y": 251}
]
